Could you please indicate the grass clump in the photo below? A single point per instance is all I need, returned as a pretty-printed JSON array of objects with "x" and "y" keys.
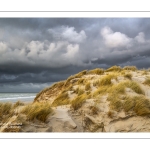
[
  {"x": 106, "y": 80},
  {"x": 79, "y": 91},
  {"x": 80, "y": 74},
  {"x": 96, "y": 71},
  {"x": 38, "y": 111},
  {"x": 114, "y": 68},
  {"x": 62, "y": 99},
  {"x": 139, "y": 104},
  {"x": 100, "y": 91},
  {"x": 88, "y": 86},
  {"x": 128, "y": 75},
  {"x": 78, "y": 101},
  {"x": 134, "y": 86},
  {"x": 81, "y": 81},
  {"x": 115, "y": 102},
  {"x": 18, "y": 103},
  {"x": 96, "y": 83},
  {"x": 132, "y": 68},
  {"x": 58, "y": 86},
  {"x": 5, "y": 110},
  {"x": 94, "y": 110},
  {"x": 118, "y": 88},
  {"x": 147, "y": 81}
]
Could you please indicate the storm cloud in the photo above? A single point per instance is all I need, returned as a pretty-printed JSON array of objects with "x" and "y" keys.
[{"x": 36, "y": 52}]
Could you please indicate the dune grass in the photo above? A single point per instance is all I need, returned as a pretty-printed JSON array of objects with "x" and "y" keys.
[
  {"x": 80, "y": 74},
  {"x": 78, "y": 101},
  {"x": 97, "y": 71},
  {"x": 94, "y": 109},
  {"x": 88, "y": 86},
  {"x": 135, "y": 87},
  {"x": 96, "y": 83},
  {"x": 114, "y": 68},
  {"x": 139, "y": 104},
  {"x": 128, "y": 76},
  {"x": 58, "y": 85},
  {"x": 5, "y": 109},
  {"x": 132, "y": 68},
  {"x": 147, "y": 81},
  {"x": 115, "y": 102},
  {"x": 79, "y": 91},
  {"x": 38, "y": 111},
  {"x": 106, "y": 80},
  {"x": 81, "y": 81},
  {"x": 61, "y": 99},
  {"x": 18, "y": 103},
  {"x": 101, "y": 90}
]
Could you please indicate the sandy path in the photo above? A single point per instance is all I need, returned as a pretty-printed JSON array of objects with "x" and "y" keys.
[{"x": 61, "y": 121}]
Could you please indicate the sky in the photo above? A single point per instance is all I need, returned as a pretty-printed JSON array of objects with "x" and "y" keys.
[{"x": 37, "y": 52}]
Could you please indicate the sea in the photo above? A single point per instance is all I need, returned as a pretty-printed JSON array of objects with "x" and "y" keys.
[{"x": 14, "y": 97}]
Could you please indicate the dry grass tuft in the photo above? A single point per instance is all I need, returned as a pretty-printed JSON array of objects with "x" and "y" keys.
[
  {"x": 132, "y": 68},
  {"x": 39, "y": 111},
  {"x": 101, "y": 90},
  {"x": 94, "y": 110},
  {"x": 96, "y": 71},
  {"x": 5, "y": 110},
  {"x": 114, "y": 68},
  {"x": 135, "y": 87},
  {"x": 81, "y": 81},
  {"x": 96, "y": 83},
  {"x": 110, "y": 114},
  {"x": 106, "y": 80},
  {"x": 78, "y": 101},
  {"x": 80, "y": 74},
  {"x": 62, "y": 99},
  {"x": 58, "y": 86},
  {"x": 18, "y": 103},
  {"x": 139, "y": 104},
  {"x": 128, "y": 75},
  {"x": 147, "y": 81},
  {"x": 115, "y": 102},
  {"x": 88, "y": 86}
]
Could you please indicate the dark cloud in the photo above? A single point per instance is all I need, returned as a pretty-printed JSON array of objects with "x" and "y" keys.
[{"x": 35, "y": 52}]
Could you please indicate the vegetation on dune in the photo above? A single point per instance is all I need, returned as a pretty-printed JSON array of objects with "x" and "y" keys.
[
  {"x": 106, "y": 80},
  {"x": 96, "y": 83},
  {"x": 50, "y": 89},
  {"x": 18, "y": 103},
  {"x": 38, "y": 111},
  {"x": 94, "y": 109},
  {"x": 147, "y": 81},
  {"x": 61, "y": 99},
  {"x": 79, "y": 91},
  {"x": 97, "y": 71},
  {"x": 134, "y": 86},
  {"x": 139, "y": 104},
  {"x": 115, "y": 102},
  {"x": 81, "y": 81},
  {"x": 132, "y": 68},
  {"x": 101, "y": 90},
  {"x": 128, "y": 75},
  {"x": 78, "y": 101},
  {"x": 80, "y": 74},
  {"x": 88, "y": 86},
  {"x": 5, "y": 110},
  {"x": 114, "y": 68}
]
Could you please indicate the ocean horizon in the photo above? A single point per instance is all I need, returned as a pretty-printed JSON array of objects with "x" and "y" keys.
[{"x": 14, "y": 97}]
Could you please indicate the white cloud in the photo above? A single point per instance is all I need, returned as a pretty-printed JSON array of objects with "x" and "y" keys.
[
  {"x": 3, "y": 47},
  {"x": 71, "y": 35},
  {"x": 140, "y": 37},
  {"x": 114, "y": 39}
]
